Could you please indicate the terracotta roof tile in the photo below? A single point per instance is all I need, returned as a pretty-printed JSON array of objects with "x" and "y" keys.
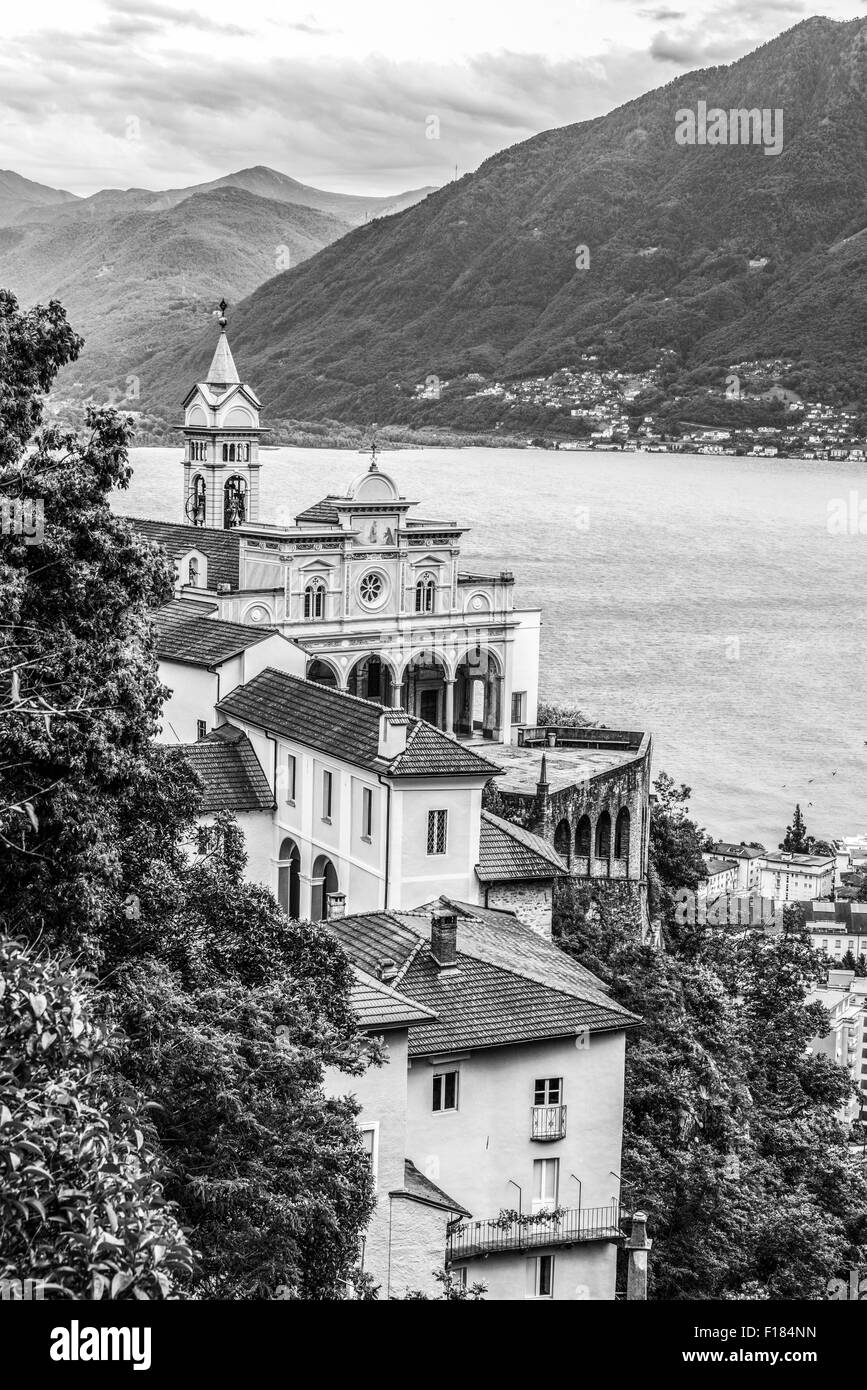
[
  {"x": 222, "y": 548},
  {"x": 508, "y": 851},
  {"x": 196, "y": 639},
  {"x": 347, "y": 727},
  {"x": 379, "y": 1006},
  {"x": 230, "y": 773}
]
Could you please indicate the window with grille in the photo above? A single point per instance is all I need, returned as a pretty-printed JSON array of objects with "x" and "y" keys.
[
  {"x": 437, "y": 831},
  {"x": 519, "y": 700}
]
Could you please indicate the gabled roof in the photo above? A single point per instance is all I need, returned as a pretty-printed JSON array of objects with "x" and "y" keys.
[
  {"x": 347, "y": 727},
  {"x": 196, "y": 639},
  {"x": 379, "y": 1006},
  {"x": 418, "y": 1188},
  {"x": 230, "y": 772},
  {"x": 508, "y": 851},
  {"x": 222, "y": 548},
  {"x": 720, "y": 866},
  {"x": 516, "y": 989}
]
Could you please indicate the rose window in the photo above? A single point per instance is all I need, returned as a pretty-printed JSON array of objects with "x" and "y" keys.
[{"x": 371, "y": 588}]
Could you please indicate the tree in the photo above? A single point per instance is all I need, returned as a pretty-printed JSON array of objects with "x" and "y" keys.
[
  {"x": 229, "y": 1012},
  {"x": 797, "y": 841},
  {"x": 453, "y": 1291},
  {"x": 82, "y": 1209},
  {"x": 732, "y": 1136}
]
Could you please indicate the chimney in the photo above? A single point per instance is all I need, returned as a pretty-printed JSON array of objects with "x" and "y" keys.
[
  {"x": 638, "y": 1248},
  {"x": 335, "y": 905},
  {"x": 444, "y": 938},
  {"x": 387, "y": 971},
  {"x": 392, "y": 734}
]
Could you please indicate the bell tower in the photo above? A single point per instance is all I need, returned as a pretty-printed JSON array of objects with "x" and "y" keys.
[{"x": 221, "y": 454}]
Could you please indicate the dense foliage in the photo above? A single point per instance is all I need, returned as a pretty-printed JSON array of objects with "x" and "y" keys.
[
  {"x": 228, "y": 1011},
  {"x": 82, "y": 1210},
  {"x": 733, "y": 1140}
]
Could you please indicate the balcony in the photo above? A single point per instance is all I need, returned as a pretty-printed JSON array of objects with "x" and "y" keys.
[
  {"x": 563, "y": 1226},
  {"x": 548, "y": 1122}
]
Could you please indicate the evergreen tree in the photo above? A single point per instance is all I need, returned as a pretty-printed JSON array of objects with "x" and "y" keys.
[{"x": 795, "y": 841}]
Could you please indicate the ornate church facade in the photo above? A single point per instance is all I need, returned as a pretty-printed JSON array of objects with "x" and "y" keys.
[{"x": 374, "y": 595}]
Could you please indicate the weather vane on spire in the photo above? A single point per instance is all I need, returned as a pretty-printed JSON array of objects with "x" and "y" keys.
[{"x": 223, "y": 307}]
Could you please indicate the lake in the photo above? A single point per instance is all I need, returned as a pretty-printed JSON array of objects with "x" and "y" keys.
[{"x": 705, "y": 599}]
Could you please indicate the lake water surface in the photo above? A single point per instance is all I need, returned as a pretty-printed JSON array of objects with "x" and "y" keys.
[{"x": 701, "y": 598}]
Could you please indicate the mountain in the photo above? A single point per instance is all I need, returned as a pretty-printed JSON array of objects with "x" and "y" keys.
[
  {"x": 136, "y": 280},
  {"x": 481, "y": 276},
  {"x": 348, "y": 208},
  {"x": 20, "y": 197}
]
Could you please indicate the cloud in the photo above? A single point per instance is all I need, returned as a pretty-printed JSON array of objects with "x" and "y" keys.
[{"x": 147, "y": 12}]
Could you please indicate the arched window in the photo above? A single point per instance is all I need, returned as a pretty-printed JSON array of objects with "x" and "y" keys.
[
  {"x": 196, "y": 505},
  {"x": 314, "y": 599},
  {"x": 425, "y": 594},
  {"x": 621, "y": 835},
  {"x": 193, "y": 571},
  {"x": 583, "y": 838},
  {"x": 603, "y": 836},
  {"x": 563, "y": 840},
  {"x": 234, "y": 502}
]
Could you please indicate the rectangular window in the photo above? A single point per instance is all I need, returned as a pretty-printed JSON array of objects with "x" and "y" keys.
[
  {"x": 548, "y": 1091},
  {"x": 540, "y": 1277},
  {"x": 290, "y": 776},
  {"x": 459, "y": 1276},
  {"x": 369, "y": 1144},
  {"x": 366, "y": 813},
  {"x": 327, "y": 791},
  {"x": 445, "y": 1090},
  {"x": 201, "y": 728},
  {"x": 437, "y": 831},
  {"x": 850, "y": 944},
  {"x": 519, "y": 702},
  {"x": 546, "y": 1178}
]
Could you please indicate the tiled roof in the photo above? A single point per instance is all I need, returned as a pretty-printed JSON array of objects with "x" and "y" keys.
[
  {"x": 719, "y": 866},
  {"x": 230, "y": 772},
  {"x": 380, "y": 1006},
  {"x": 730, "y": 851},
  {"x": 222, "y": 548},
  {"x": 820, "y": 915},
  {"x": 420, "y": 1189},
  {"x": 517, "y": 988},
  {"x": 196, "y": 639},
  {"x": 501, "y": 938},
  {"x": 508, "y": 851},
  {"x": 321, "y": 513},
  {"x": 347, "y": 727}
]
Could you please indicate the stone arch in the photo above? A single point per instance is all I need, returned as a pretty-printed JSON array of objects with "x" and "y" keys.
[
  {"x": 563, "y": 840},
  {"x": 479, "y": 687},
  {"x": 289, "y": 878},
  {"x": 584, "y": 838},
  {"x": 321, "y": 671},
  {"x": 621, "y": 834},
  {"x": 603, "y": 836},
  {"x": 325, "y": 881},
  {"x": 371, "y": 678}
]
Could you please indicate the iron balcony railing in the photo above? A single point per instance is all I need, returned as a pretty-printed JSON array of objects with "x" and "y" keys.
[
  {"x": 548, "y": 1122},
  {"x": 563, "y": 1226}
]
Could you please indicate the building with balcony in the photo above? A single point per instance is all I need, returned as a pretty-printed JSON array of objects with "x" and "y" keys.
[
  {"x": 374, "y": 595},
  {"x": 788, "y": 877},
  {"x": 514, "y": 1097}
]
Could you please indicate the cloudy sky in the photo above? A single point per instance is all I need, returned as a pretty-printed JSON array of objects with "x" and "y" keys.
[{"x": 339, "y": 93}]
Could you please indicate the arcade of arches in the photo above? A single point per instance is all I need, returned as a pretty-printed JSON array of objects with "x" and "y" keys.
[
  {"x": 468, "y": 705},
  {"x": 595, "y": 850},
  {"x": 323, "y": 883}
]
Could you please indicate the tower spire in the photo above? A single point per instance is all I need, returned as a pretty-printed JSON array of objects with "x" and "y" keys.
[{"x": 222, "y": 371}]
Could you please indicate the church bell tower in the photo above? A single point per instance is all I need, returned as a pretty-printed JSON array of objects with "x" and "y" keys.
[{"x": 221, "y": 454}]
